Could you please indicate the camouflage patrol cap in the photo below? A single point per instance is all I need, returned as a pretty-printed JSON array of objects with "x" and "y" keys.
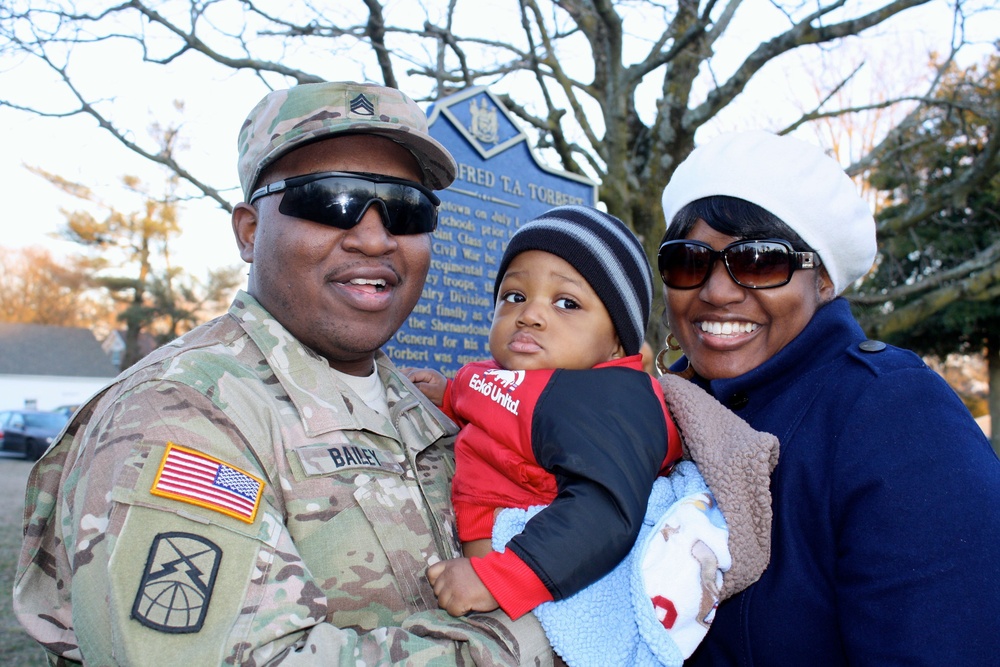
[{"x": 288, "y": 119}]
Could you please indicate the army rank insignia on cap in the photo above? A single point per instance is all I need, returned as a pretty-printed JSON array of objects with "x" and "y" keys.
[
  {"x": 362, "y": 106},
  {"x": 192, "y": 477}
]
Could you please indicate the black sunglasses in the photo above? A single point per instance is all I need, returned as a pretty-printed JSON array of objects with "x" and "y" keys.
[
  {"x": 753, "y": 264},
  {"x": 339, "y": 199}
]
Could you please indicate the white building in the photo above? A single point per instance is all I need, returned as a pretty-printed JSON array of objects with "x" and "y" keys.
[{"x": 44, "y": 367}]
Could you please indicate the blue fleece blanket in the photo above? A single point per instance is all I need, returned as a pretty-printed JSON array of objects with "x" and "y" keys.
[{"x": 656, "y": 605}]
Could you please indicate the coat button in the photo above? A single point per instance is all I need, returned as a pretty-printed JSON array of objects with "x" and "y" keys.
[
  {"x": 738, "y": 401},
  {"x": 871, "y": 346}
]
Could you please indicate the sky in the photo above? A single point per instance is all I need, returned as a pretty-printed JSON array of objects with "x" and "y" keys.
[
  {"x": 77, "y": 150},
  {"x": 215, "y": 104}
]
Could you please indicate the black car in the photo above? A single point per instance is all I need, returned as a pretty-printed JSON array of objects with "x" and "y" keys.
[{"x": 29, "y": 432}]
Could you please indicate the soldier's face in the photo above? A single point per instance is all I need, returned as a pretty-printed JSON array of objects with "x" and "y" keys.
[{"x": 342, "y": 293}]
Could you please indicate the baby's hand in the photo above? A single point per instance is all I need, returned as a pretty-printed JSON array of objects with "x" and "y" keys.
[
  {"x": 458, "y": 587},
  {"x": 430, "y": 382}
]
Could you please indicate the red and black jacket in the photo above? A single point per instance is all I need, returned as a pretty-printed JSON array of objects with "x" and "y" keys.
[{"x": 587, "y": 443}]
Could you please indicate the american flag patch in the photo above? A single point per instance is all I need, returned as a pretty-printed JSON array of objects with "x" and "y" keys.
[{"x": 193, "y": 477}]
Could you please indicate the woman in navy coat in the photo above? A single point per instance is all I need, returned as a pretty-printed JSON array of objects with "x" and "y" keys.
[{"x": 886, "y": 532}]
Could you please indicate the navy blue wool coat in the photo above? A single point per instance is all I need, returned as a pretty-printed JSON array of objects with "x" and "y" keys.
[{"x": 886, "y": 534}]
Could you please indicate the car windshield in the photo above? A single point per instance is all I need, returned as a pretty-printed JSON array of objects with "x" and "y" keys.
[{"x": 49, "y": 420}]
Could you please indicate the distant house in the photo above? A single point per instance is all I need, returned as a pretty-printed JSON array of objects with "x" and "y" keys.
[{"x": 45, "y": 367}]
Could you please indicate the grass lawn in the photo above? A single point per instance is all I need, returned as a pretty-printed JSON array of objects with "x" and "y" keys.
[{"x": 16, "y": 648}]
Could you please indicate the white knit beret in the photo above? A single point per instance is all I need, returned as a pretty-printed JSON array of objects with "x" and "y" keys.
[{"x": 796, "y": 181}]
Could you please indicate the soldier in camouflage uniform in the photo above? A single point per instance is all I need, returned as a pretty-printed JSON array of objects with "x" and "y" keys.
[{"x": 269, "y": 488}]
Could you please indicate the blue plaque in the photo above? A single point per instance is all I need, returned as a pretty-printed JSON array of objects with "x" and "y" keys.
[{"x": 500, "y": 186}]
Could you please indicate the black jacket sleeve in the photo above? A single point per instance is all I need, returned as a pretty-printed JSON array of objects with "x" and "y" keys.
[{"x": 603, "y": 434}]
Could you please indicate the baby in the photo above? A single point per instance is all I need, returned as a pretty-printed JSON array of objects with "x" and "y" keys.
[{"x": 573, "y": 292}]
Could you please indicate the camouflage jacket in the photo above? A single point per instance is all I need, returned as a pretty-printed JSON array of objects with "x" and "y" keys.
[{"x": 228, "y": 501}]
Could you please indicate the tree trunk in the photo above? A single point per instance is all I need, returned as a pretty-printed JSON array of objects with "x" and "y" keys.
[
  {"x": 134, "y": 321},
  {"x": 132, "y": 353}
]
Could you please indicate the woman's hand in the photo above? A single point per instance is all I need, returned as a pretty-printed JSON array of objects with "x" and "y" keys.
[{"x": 458, "y": 587}]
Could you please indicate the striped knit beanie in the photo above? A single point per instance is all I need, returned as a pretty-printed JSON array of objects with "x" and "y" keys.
[{"x": 605, "y": 252}]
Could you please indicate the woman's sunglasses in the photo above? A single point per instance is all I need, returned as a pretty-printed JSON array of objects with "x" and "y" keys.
[
  {"x": 339, "y": 199},
  {"x": 753, "y": 264}
]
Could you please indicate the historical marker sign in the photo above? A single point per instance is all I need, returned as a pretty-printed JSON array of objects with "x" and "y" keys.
[{"x": 500, "y": 186}]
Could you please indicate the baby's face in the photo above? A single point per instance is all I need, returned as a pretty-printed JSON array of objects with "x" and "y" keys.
[{"x": 548, "y": 316}]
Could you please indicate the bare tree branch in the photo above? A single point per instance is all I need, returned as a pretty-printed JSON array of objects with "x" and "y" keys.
[
  {"x": 801, "y": 34},
  {"x": 971, "y": 286},
  {"x": 984, "y": 260},
  {"x": 601, "y": 127}
]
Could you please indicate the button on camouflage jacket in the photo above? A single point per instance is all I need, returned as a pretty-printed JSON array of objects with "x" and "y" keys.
[{"x": 228, "y": 501}]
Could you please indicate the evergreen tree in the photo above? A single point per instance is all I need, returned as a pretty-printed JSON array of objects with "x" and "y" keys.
[{"x": 935, "y": 287}]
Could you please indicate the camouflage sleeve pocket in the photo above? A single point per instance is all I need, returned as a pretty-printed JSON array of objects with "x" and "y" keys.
[
  {"x": 182, "y": 586},
  {"x": 186, "y": 579}
]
